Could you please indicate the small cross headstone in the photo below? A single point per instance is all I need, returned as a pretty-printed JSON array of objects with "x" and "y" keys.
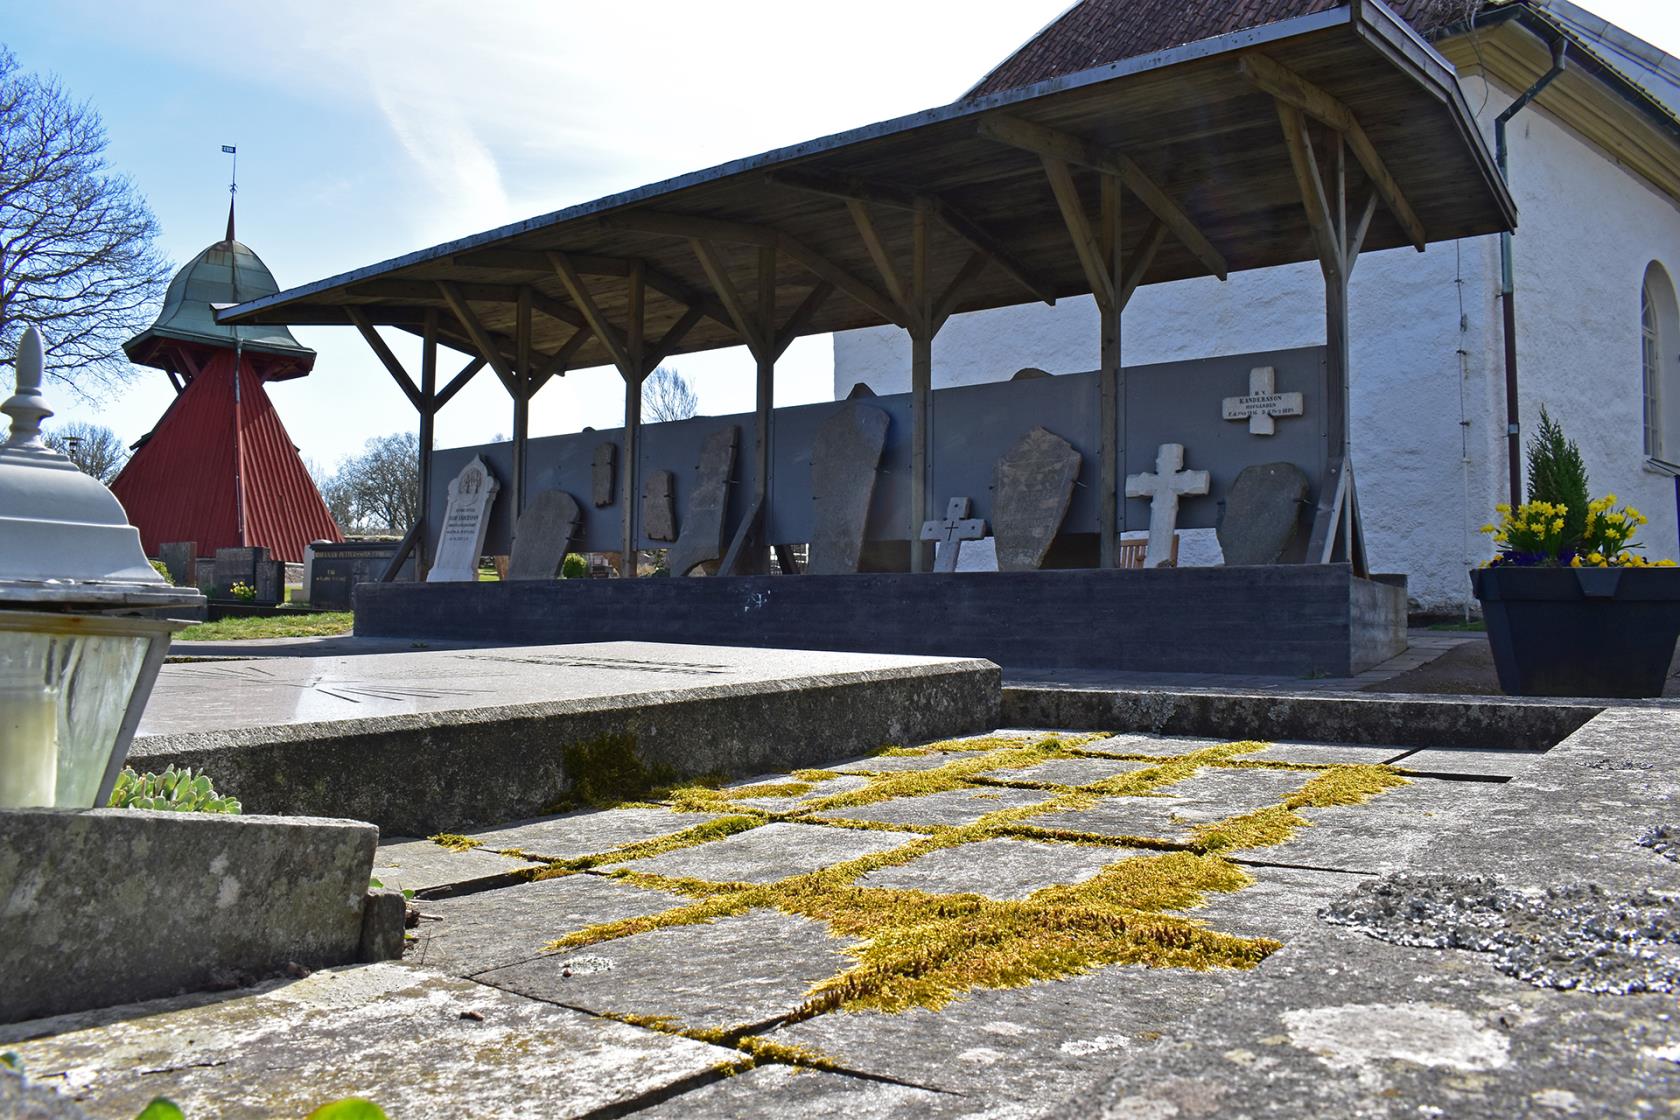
[
  {"x": 951, "y": 532},
  {"x": 1263, "y": 404},
  {"x": 1169, "y": 482}
]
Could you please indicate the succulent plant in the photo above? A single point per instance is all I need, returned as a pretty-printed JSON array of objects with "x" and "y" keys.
[{"x": 179, "y": 791}]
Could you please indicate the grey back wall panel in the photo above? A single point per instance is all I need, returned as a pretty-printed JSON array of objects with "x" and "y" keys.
[{"x": 972, "y": 427}]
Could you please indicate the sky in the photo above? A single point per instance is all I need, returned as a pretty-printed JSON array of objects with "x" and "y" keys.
[{"x": 372, "y": 128}]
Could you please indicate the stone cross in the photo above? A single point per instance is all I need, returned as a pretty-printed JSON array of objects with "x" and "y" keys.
[
  {"x": 1163, "y": 488},
  {"x": 1263, "y": 403},
  {"x": 951, "y": 532}
]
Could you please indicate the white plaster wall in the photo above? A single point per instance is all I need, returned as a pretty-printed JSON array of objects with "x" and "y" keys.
[{"x": 1428, "y": 423}]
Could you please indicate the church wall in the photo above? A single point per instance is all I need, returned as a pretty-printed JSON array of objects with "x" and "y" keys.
[{"x": 1427, "y": 421}]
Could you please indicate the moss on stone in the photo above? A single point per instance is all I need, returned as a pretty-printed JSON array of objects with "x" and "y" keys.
[
  {"x": 455, "y": 842},
  {"x": 605, "y": 772}
]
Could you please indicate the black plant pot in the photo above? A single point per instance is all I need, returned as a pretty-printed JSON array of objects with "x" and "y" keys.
[{"x": 1580, "y": 631}]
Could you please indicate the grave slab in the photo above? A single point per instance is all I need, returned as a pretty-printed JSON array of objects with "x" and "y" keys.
[
  {"x": 1262, "y": 513},
  {"x": 1001, "y": 869},
  {"x": 1070, "y": 771},
  {"x": 790, "y": 804},
  {"x": 1214, "y": 794},
  {"x": 659, "y": 518},
  {"x": 543, "y": 535},
  {"x": 889, "y": 763},
  {"x": 474, "y": 933},
  {"x": 1283, "y": 903},
  {"x": 417, "y": 1043},
  {"x": 735, "y": 972},
  {"x": 1457, "y": 761},
  {"x": 844, "y": 456},
  {"x": 770, "y": 853},
  {"x": 413, "y": 864},
  {"x": 1145, "y": 745},
  {"x": 1386, "y": 833},
  {"x": 1031, "y": 490},
  {"x": 774, "y": 1090},
  {"x": 586, "y": 833},
  {"x": 1329, "y": 754},
  {"x": 950, "y": 807},
  {"x": 1157, "y": 818},
  {"x": 701, "y": 539}
]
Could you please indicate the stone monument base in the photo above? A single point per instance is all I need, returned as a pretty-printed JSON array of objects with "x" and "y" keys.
[{"x": 1284, "y": 620}]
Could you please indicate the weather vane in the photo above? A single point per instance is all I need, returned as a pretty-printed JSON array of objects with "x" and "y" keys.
[{"x": 233, "y": 179}]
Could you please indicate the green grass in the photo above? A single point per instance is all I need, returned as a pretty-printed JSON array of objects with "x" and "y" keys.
[
  {"x": 245, "y": 629},
  {"x": 1474, "y": 626}
]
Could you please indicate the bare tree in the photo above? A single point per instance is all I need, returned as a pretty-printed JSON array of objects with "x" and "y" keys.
[
  {"x": 78, "y": 254},
  {"x": 94, "y": 449},
  {"x": 377, "y": 491},
  {"x": 667, "y": 395}
]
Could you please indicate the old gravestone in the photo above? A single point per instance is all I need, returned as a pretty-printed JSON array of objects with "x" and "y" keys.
[
  {"x": 702, "y": 526},
  {"x": 465, "y": 519},
  {"x": 271, "y": 581},
  {"x": 542, "y": 535},
  {"x": 178, "y": 557},
  {"x": 336, "y": 569},
  {"x": 950, "y": 533},
  {"x": 601, "y": 474},
  {"x": 1164, "y": 486},
  {"x": 1262, "y": 513},
  {"x": 237, "y": 565},
  {"x": 844, "y": 460},
  {"x": 1033, "y": 485},
  {"x": 659, "y": 516}
]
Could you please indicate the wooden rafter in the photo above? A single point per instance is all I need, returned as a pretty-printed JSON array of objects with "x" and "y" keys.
[
  {"x": 801, "y": 317},
  {"x": 1320, "y": 219},
  {"x": 458, "y": 382},
  {"x": 947, "y": 303},
  {"x": 871, "y": 238},
  {"x": 1290, "y": 88},
  {"x": 742, "y": 320},
  {"x": 1356, "y": 239},
  {"x": 1141, "y": 258},
  {"x": 386, "y": 357},
  {"x": 1079, "y": 228},
  {"x": 1075, "y": 150},
  {"x": 483, "y": 342},
  {"x": 671, "y": 339},
  {"x": 850, "y": 188},
  {"x": 615, "y": 343}
]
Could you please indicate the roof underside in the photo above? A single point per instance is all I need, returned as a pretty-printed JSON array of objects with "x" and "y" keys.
[{"x": 1196, "y": 126}]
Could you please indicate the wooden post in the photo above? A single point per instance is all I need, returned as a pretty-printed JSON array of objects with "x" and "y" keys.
[
  {"x": 1111, "y": 387},
  {"x": 759, "y": 560},
  {"x": 521, "y": 397},
  {"x": 428, "y": 418},
  {"x": 921, "y": 396},
  {"x": 630, "y": 474}
]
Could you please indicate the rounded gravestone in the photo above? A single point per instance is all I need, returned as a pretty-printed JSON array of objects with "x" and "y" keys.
[{"x": 1262, "y": 513}]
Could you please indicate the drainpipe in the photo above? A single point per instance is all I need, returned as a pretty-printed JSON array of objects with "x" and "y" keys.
[{"x": 1507, "y": 281}]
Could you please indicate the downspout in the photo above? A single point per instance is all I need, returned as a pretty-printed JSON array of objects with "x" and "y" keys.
[
  {"x": 239, "y": 441},
  {"x": 1507, "y": 280}
]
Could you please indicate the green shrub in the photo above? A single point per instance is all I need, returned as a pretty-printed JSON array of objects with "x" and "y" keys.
[
  {"x": 574, "y": 566},
  {"x": 175, "y": 790},
  {"x": 1557, "y": 475},
  {"x": 162, "y": 569}
]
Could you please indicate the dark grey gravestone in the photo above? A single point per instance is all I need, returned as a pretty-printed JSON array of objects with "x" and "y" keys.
[
  {"x": 1029, "y": 373},
  {"x": 338, "y": 568},
  {"x": 237, "y": 565},
  {"x": 204, "y": 575},
  {"x": 542, "y": 535},
  {"x": 1032, "y": 487},
  {"x": 1262, "y": 513},
  {"x": 179, "y": 557},
  {"x": 271, "y": 581},
  {"x": 659, "y": 516},
  {"x": 702, "y": 536},
  {"x": 860, "y": 391},
  {"x": 601, "y": 473},
  {"x": 845, "y": 458}
]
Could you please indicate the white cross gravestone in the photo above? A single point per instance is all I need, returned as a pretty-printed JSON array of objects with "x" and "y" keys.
[
  {"x": 465, "y": 519},
  {"x": 1163, "y": 488},
  {"x": 951, "y": 532},
  {"x": 1263, "y": 403}
]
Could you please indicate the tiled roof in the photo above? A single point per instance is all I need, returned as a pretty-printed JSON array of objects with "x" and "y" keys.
[{"x": 1094, "y": 32}]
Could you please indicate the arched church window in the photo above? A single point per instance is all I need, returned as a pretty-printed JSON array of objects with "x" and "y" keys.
[{"x": 1659, "y": 321}]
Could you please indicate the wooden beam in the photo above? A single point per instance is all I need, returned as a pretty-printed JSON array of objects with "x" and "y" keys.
[
  {"x": 386, "y": 358},
  {"x": 1320, "y": 219},
  {"x": 801, "y": 317},
  {"x": 591, "y": 264},
  {"x": 427, "y": 290},
  {"x": 458, "y": 382},
  {"x": 1079, "y": 229},
  {"x": 481, "y": 339},
  {"x": 947, "y": 303},
  {"x": 671, "y": 339},
  {"x": 851, "y": 188},
  {"x": 615, "y": 343},
  {"x": 1294, "y": 90},
  {"x": 521, "y": 398},
  {"x": 921, "y": 397},
  {"x": 878, "y": 252},
  {"x": 427, "y": 435},
  {"x": 630, "y": 470},
  {"x": 1356, "y": 240},
  {"x": 1111, "y": 389},
  {"x": 556, "y": 364},
  {"x": 1075, "y": 150},
  {"x": 741, "y": 319},
  {"x": 1141, "y": 258}
]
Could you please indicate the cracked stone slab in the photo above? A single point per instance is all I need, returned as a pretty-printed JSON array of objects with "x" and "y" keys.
[
  {"x": 1001, "y": 869},
  {"x": 771, "y": 852},
  {"x": 733, "y": 972},
  {"x": 417, "y": 1043},
  {"x": 472, "y": 933},
  {"x": 890, "y": 763},
  {"x": 948, "y": 807},
  {"x": 1386, "y": 833},
  {"x": 1480, "y": 763},
  {"x": 1070, "y": 771},
  {"x": 590, "y": 832},
  {"x": 775, "y": 1090},
  {"x": 1159, "y": 818},
  {"x": 424, "y": 867}
]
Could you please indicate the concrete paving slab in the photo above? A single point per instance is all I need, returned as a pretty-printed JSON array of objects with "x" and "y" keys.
[
  {"x": 1465, "y": 761},
  {"x": 1386, "y": 833},
  {"x": 889, "y": 763},
  {"x": 1329, "y": 754},
  {"x": 1214, "y": 794},
  {"x": 1070, "y": 771},
  {"x": 769, "y": 853},
  {"x": 424, "y": 867},
  {"x": 1158, "y": 818},
  {"x": 950, "y": 807},
  {"x": 418, "y": 1043},
  {"x": 1283, "y": 903},
  {"x": 1143, "y": 744},
  {"x": 733, "y": 973},
  {"x": 588, "y": 832},
  {"x": 790, "y": 804},
  {"x": 788, "y": 1091},
  {"x": 1001, "y": 869},
  {"x": 491, "y": 929}
]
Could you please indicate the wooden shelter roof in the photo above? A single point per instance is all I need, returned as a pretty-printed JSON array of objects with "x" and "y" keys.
[{"x": 1193, "y": 132}]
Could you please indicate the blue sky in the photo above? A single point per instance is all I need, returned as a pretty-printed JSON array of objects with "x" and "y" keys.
[{"x": 369, "y": 129}]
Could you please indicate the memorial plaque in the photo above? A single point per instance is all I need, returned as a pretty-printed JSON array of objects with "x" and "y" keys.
[
  {"x": 845, "y": 459},
  {"x": 336, "y": 569},
  {"x": 179, "y": 557},
  {"x": 1263, "y": 404},
  {"x": 542, "y": 535},
  {"x": 659, "y": 517},
  {"x": 1032, "y": 488},
  {"x": 465, "y": 518},
  {"x": 1262, "y": 513},
  {"x": 702, "y": 526},
  {"x": 601, "y": 474}
]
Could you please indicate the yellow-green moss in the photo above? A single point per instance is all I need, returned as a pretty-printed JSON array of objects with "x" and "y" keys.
[
  {"x": 644, "y": 849},
  {"x": 455, "y": 842},
  {"x": 607, "y": 771}
]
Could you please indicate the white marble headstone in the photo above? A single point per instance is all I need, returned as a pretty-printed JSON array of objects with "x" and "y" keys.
[{"x": 467, "y": 516}]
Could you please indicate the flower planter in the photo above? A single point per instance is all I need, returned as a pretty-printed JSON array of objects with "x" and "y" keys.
[{"x": 1580, "y": 631}]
